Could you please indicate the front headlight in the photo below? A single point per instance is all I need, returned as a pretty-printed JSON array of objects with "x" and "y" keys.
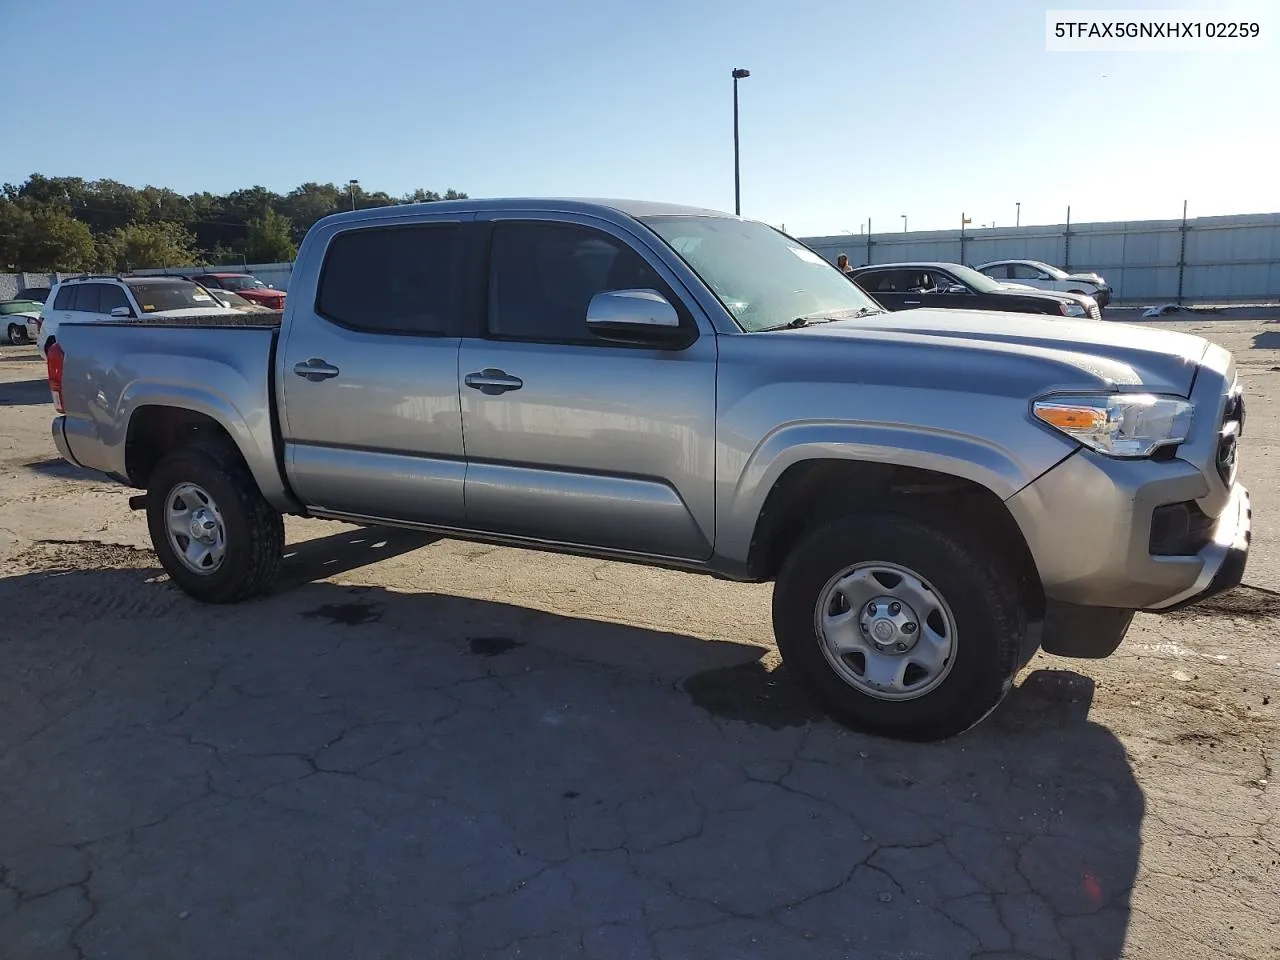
[
  {"x": 1118, "y": 424},
  {"x": 1074, "y": 310}
]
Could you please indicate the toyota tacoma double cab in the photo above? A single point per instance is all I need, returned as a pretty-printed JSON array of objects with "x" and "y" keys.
[{"x": 934, "y": 494}]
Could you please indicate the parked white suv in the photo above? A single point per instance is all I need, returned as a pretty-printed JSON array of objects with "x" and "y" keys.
[
  {"x": 99, "y": 298},
  {"x": 1045, "y": 276}
]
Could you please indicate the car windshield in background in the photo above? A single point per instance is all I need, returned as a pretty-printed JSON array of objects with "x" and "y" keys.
[
  {"x": 1056, "y": 272},
  {"x": 157, "y": 296},
  {"x": 972, "y": 278},
  {"x": 764, "y": 278},
  {"x": 242, "y": 283},
  {"x": 10, "y": 307}
]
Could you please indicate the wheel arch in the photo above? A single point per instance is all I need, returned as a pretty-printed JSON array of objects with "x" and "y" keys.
[{"x": 811, "y": 491}]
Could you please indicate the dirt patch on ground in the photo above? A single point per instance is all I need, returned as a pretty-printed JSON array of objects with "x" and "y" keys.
[{"x": 1250, "y": 603}]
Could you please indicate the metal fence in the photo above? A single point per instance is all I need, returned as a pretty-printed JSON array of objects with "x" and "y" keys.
[{"x": 1205, "y": 259}]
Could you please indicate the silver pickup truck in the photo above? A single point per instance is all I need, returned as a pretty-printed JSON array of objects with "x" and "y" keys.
[{"x": 934, "y": 493}]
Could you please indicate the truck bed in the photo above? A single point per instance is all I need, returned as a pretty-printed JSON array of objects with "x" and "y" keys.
[{"x": 218, "y": 367}]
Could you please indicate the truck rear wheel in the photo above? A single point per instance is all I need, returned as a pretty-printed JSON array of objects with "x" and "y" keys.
[
  {"x": 215, "y": 535},
  {"x": 897, "y": 626}
]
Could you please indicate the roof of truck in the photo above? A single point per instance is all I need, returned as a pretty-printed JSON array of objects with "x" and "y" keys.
[{"x": 631, "y": 208}]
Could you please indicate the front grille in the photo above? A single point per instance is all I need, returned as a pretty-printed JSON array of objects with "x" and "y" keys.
[
  {"x": 1226, "y": 457},
  {"x": 1095, "y": 313}
]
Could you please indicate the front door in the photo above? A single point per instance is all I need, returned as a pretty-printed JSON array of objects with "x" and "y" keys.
[
  {"x": 571, "y": 439},
  {"x": 368, "y": 374}
]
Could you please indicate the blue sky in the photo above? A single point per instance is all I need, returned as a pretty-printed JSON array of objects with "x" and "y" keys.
[{"x": 853, "y": 111}]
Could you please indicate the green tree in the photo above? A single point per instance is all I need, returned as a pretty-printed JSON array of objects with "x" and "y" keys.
[
  {"x": 142, "y": 245},
  {"x": 269, "y": 240},
  {"x": 44, "y": 240}
]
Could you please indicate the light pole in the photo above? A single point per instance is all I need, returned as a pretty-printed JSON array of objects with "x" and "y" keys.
[
  {"x": 351, "y": 189},
  {"x": 738, "y": 74},
  {"x": 904, "y": 222},
  {"x": 1018, "y": 222}
]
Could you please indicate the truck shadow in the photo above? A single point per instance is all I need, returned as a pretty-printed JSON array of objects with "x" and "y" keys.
[
  {"x": 468, "y": 747},
  {"x": 24, "y": 393}
]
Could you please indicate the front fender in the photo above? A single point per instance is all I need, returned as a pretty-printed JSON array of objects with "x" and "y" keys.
[{"x": 977, "y": 459}]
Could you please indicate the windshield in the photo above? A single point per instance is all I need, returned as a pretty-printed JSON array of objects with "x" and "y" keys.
[
  {"x": 158, "y": 296},
  {"x": 242, "y": 283},
  {"x": 19, "y": 306},
  {"x": 972, "y": 278},
  {"x": 1050, "y": 269},
  {"x": 763, "y": 278}
]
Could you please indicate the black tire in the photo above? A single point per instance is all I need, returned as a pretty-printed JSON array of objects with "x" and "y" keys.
[
  {"x": 17, "y": 335},
  {"x": 983, "y": 597},
  {"x": 254, "y": 531}
]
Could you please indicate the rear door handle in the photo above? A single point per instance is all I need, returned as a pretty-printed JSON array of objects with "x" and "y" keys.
[
  {"x": 911, "y": 303},
  {"x": 491, "y": 381},
  {"x": 315, "y": 370}
]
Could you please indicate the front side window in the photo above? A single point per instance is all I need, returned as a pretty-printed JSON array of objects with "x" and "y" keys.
[
  {"x": 1024, "y": 271},
  {"x": 542, "y": 277},
  {"x": 87, "y": 298},
  {"x": 393, "y": 280},
  {"x": 765, "y": 279},
  {"x": 111, "y": 297}
]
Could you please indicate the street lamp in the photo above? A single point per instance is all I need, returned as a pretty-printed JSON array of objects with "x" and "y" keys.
[
  {"x": 351, "y": 189},
  {"x": 1018, "y": 221},
  {"x": 738, "y": 74},
  {"x": 904, "y": 222}
]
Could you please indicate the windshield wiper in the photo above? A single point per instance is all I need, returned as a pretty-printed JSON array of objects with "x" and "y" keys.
[{"x": 799, "y": 322}]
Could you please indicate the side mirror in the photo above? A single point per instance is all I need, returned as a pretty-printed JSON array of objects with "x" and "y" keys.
[
  {"x": 643, "y": 317},
  {"x": 954, "y": 288},
  {"x": 121, "y": 312}
]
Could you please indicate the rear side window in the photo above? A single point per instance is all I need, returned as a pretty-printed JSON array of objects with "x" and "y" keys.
[
  {"x": 65, "y": 299},
  {"x": 1001, "y": 271},
  {"x": 396, "y": 280}
]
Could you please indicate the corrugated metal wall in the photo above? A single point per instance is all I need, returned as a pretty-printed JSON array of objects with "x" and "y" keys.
[{"x": 1226, "y": 259}]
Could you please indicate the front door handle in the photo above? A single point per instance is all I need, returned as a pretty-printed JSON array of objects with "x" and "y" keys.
[
  {"x": 911, "y": 303},
  {"x": 491, "y": 381},
  {"x": 315, "y": 370}
]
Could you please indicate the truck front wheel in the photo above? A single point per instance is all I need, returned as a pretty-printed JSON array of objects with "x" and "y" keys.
[
  {"x": 897, "y": 626},
  {"x": 215, "y": 535}
]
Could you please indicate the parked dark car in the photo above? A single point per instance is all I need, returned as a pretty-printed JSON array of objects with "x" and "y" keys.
[{"x": 905, "y": 286}]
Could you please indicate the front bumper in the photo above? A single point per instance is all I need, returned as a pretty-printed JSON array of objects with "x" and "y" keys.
[
  {"x": 1088, "y": 523},
  {"x": 1224, "y": 558}
]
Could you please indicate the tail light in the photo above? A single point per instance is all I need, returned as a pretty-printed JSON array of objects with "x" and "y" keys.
[{"x": 54, "y": 358}]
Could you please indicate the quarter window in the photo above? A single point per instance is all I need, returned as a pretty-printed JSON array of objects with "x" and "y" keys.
[{"x": 393, "y": 280}]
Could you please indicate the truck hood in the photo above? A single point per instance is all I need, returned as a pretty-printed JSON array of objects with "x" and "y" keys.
[{"x": 1118, "y": 356}]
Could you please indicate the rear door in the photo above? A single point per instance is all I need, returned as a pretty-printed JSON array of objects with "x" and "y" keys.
[
  {"x": 887, "y": 287},
  {"x": 571, "y": 439},
  {"x": 368, "y": 374}
]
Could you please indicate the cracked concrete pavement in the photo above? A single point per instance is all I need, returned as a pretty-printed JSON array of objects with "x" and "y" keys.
[{"x": 425, "y": 748}]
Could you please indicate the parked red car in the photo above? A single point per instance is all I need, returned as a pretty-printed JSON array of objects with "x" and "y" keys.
[{"x": 246, "y": 285}]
